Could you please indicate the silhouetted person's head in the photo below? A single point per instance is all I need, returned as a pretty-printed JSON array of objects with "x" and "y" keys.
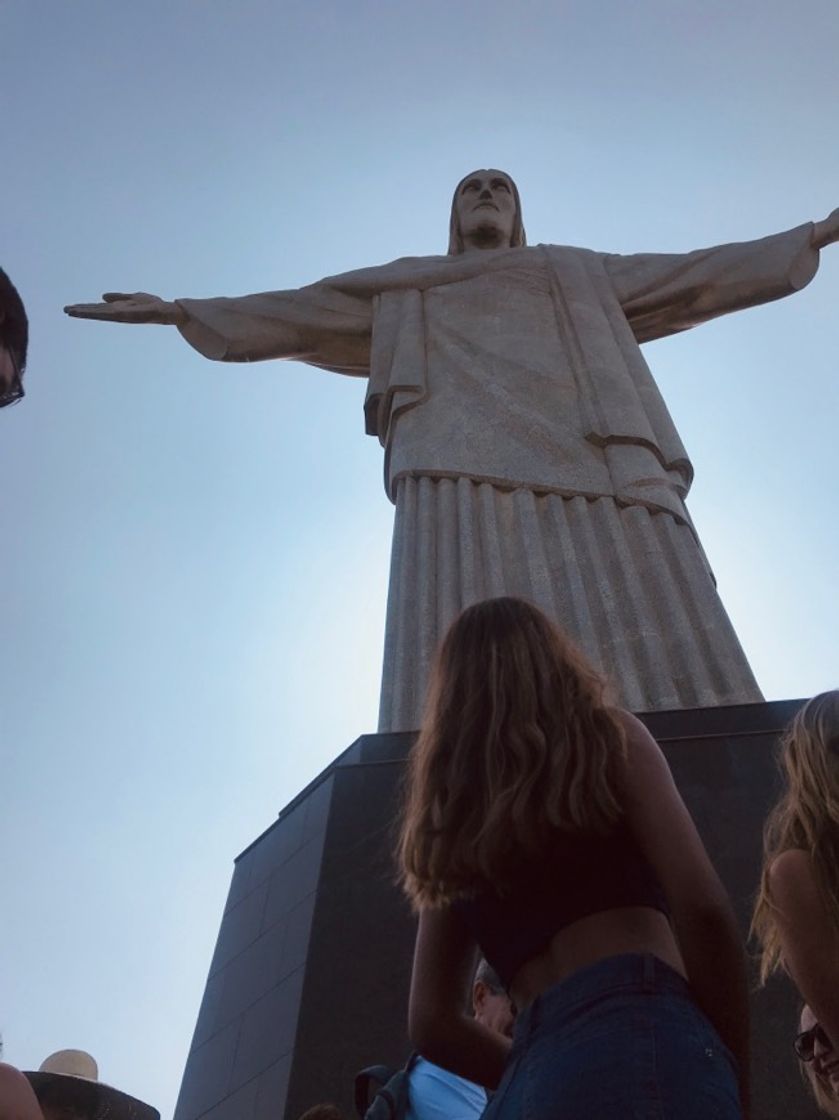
[
  {"x": 68, "y": 1088},
  {"x": 325, "y": 1111},
  {"x": 14, "y": 340}
]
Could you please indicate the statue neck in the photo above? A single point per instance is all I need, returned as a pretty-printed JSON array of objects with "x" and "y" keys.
[{"x": 485, "y": 239}]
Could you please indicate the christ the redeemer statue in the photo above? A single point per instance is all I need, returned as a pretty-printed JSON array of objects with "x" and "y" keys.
[{"x": 528, "y": 450}]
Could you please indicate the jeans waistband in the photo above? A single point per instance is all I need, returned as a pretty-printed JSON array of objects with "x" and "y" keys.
[{"x": 628, "y": 972}]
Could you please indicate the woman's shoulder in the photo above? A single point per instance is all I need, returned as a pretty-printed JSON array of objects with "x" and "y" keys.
[
  {"x": 790, "y": 860},
  {"x": 790, "y": 867},
  {"x": 644, "y": 770},
  {"x": 792, "y": 881},
  {"x": 636, "y": 731}
]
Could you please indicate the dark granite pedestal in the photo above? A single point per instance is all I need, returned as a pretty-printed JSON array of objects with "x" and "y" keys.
[{"x": 309, "y": 979}]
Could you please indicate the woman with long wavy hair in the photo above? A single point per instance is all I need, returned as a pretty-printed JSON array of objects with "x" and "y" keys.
[
  {"x": 544, "y": 826},
  {"x": 796, "y": 916}
]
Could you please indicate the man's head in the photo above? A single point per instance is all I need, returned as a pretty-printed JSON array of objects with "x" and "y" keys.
[
  {"x": 68, "y": 1088},
  {"x": 820, "y": 1062},
  {"x": 325, "y": 1111},
  {"x": 486, "y": 213},
  {"x": 14, "y": 337},
  {"x": 491, "y": 1005},
  {"x": 54, "y": 1107}
]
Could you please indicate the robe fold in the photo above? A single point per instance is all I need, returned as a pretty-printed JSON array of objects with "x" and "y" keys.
[{"x": 527, "y": 447}]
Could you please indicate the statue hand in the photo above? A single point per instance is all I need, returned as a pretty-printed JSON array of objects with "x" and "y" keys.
[
  {"x": 120, "y": 307},
  {"x": 826, "y": 232}
]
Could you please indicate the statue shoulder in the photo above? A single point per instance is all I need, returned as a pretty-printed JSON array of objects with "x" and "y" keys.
[
  {"x": 571, "y": 251},
  {"x": 402, "y": 272}
]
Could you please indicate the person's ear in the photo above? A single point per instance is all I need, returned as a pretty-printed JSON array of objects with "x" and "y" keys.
[{"x": 479, "y": 994}]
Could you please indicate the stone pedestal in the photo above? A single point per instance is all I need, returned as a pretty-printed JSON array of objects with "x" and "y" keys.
[{"x": 309, "y": 979}]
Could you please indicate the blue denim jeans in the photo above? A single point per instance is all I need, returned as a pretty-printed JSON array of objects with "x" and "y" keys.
[{"x": 619, "y": 1040}]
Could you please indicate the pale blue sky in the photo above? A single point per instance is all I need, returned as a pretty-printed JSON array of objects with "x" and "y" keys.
[{"x": 195, "y": 556}]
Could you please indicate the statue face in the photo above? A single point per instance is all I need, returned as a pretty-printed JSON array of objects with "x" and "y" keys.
[{"x": 486, "y": 207}]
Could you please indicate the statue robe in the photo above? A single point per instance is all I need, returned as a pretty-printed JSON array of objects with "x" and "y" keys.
[{"x": 528, "y": 450}]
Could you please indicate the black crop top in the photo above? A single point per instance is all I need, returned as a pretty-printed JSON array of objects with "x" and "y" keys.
[{"x": 584, "y": 874}]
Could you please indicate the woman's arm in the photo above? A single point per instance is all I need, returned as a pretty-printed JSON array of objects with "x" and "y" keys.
[
  {"x": 703, "y": 920},
  {"x": 438, "y": 1024},
  {"x": 809, "y": 943}
]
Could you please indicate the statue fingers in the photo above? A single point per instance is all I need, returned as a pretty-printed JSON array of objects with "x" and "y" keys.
[
  {"x": 127, "y": 310},
  {"x": 90, "y": 311},
  {"x": 118, "y": 297}
]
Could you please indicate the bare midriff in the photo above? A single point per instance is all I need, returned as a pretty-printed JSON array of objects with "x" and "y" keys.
[{"x": 609, "y": 933}]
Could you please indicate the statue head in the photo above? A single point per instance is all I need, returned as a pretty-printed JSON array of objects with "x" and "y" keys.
[{"x": 486, "y": 213}]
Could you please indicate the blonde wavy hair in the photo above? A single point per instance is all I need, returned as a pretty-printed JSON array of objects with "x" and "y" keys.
[
  {"x": 517, "y": 742},
  {"x": 806, "y": 817}
]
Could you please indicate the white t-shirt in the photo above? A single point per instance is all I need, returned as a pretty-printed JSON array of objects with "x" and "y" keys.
[{"x": 436, "y": 1094}]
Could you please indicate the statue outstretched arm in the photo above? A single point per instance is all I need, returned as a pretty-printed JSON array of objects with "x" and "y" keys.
[
  {"x": 327, "y": 324},
  {"x": 318, "y": 324},
  {"x": 663, "y": 293}
]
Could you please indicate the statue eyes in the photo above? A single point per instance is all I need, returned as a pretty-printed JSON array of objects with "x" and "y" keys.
[{"x": 496, "y": 185}]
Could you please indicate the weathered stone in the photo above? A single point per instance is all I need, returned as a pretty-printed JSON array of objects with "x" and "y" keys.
[{"x": 527, "y": 447}]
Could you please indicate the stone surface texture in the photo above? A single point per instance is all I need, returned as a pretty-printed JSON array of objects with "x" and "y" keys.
[{"x": 309, "y": 981}]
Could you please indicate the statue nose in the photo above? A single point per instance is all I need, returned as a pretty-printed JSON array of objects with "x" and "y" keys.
[{"x": 486, "y": 193}]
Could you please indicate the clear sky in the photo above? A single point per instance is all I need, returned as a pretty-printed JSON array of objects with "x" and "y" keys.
[{"x": 195, "y": 556}]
